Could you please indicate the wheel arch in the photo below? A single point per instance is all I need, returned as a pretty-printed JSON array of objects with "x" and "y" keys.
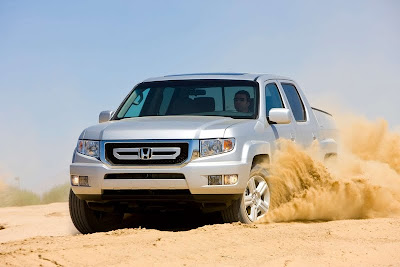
[
  {"x": 329, "y": 148},
  {"x": 255, "y": 152},
  {"x": 263, "y": 159}
]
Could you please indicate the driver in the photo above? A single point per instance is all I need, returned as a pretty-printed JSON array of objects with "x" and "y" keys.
[{"x": 242, "y": 101}]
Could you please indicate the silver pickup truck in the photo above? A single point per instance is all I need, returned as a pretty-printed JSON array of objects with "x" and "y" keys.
[{"x": 191, "y": 141}]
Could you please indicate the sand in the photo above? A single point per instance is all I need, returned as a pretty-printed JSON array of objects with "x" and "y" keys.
[
  {"x": 344, "y": 212},
  {"x": 44, "y": 235}
]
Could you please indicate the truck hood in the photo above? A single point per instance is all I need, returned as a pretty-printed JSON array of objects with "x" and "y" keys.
[{"x": 165, "y": 127}]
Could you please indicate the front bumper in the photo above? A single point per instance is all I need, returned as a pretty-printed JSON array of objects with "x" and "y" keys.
[{"x": 196, "y": 177}]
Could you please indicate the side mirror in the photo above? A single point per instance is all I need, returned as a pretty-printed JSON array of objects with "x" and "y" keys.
[
  {"x": 279, "y": 115},
  {"x": 105, "y": 116}
]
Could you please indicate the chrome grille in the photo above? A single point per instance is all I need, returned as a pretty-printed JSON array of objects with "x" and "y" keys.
[{"x": 138, "y": 153}]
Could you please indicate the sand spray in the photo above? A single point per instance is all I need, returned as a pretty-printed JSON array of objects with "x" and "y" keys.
[{"x": 362, "y": 182}]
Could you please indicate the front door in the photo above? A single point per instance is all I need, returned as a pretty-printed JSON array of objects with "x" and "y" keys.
[{"x": 273, "y": 99}]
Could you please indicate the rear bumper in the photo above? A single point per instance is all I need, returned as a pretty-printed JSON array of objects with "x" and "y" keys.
[{"x": 195, "y": 178}]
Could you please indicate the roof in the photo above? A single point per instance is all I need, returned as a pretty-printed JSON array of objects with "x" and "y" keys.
[{"x": 215, "y": 76}]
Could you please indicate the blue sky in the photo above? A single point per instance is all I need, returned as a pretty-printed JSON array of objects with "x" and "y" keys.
[{"x": 61, "y": 63}]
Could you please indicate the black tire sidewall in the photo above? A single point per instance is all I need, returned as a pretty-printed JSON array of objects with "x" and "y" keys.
[{"x": 85, "y": 219}]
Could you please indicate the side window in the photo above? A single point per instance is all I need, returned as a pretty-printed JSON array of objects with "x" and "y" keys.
[
  {"x": 137, "y": 104},
  {"x": 295, "y": 101},
  {"x": 272, "y": 97}
]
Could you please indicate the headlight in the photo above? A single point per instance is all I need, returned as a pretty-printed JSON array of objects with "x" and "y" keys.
[
  {"x": 211, "y": 147},
  {"x": 88, "y": 148}
]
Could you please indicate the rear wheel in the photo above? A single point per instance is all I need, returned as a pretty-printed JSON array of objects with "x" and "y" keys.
[
  {"x": 255, "y": 200},
  {"x": 89, "y": 221}
]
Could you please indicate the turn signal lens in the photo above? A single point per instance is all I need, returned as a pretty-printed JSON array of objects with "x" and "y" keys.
[{"x": 228, "y": 145}]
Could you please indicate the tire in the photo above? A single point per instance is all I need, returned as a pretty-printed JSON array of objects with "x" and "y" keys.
[
  {"x": 254, "y": 203},
  {"x": 89, "y": 221}
]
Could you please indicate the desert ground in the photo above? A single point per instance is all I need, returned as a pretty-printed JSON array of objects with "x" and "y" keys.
[
  {"x": 44, "y": 235},
  {"x": 344, "y": 212}
]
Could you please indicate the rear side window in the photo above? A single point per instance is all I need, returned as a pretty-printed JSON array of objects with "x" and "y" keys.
[
  {"x": 295, "y": 102},
  {"x": 272, "y": 97}
]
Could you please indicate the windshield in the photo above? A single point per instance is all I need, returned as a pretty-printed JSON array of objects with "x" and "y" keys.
[{"x": 227, "y": 98}]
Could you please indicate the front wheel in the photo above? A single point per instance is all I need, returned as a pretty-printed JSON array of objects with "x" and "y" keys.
[
  {"x": 255, "y": 200},
  {"x": 89, "y": 221}
]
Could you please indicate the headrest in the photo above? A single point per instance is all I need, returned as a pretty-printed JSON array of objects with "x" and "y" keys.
[{"x": 204, "y": 104}]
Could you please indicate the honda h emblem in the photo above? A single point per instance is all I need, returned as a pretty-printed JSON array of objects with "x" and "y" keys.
[{"x": 145, "y": 153}]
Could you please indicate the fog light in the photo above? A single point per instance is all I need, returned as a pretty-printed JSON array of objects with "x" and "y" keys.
[
  {"x": 75, "y": 180},
  {"x": 83, "y": 181},
  {"x": 215, "y": 180},
  {"x": 230, "y": 179},
  {"x": 79, "y": 180}
]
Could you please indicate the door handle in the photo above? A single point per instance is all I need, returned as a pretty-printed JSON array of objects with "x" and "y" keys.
[
  {"x": 292, "y": 137},
  {"x": 313, "y": 136}
]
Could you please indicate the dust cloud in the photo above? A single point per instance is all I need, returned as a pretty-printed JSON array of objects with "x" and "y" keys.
[
  {"x": 2, "y": 185},
  {"x": 14, "y": 196},
  {"x": 362, "y": 182}
]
